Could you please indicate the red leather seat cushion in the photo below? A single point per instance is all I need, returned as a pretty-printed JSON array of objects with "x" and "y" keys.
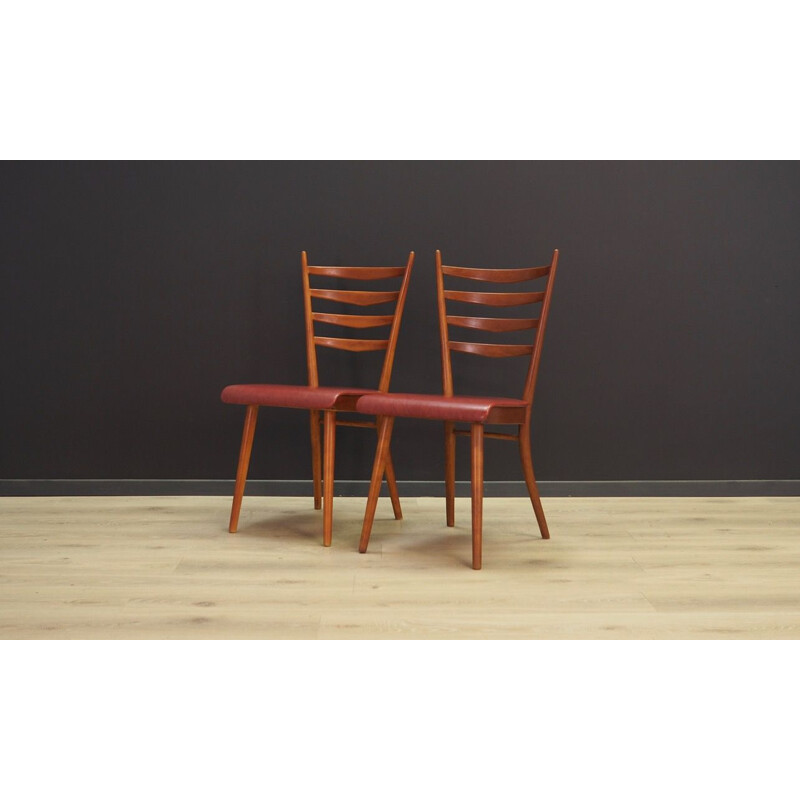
[
  {"x": 434, "y": 406},
  {"x": 282, "y": 396}
]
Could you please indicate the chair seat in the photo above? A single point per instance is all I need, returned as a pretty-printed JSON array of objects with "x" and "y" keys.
[
  {"x": 434, "y": 406},
  {"x": 283, "y": 396}
]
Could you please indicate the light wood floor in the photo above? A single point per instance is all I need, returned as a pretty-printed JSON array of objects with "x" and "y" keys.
[{"x": 618, "y": 568}]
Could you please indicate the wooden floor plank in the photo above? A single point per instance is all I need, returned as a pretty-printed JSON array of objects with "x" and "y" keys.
[{"x": 616, "y": 568}]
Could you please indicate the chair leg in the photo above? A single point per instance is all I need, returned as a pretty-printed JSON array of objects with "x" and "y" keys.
[
  {"x": 391, "y": 482},
  {"x": 378, "y": 468},
  {"x": 316, "y": 459},
  {"x": 327, "y": 478},
  {"x": 477, "y": 494},
  {"x": 530, "y": 479},
  {"x": 450, "y": 473},
  {"x": 244, "y": 462}
]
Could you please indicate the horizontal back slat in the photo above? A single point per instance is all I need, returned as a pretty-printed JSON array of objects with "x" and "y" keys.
[
  {"x": 353, "y": 320},
  {"x": 497, "y": 275},
  {"x": 493, "y": 323},
  {"x": 495, "y": 298},
  {"x": 355, "y": 345},
  {"x": 357, "y": 298},
  {"x": 358, "y": 273},
  {"x": 492, "y": 350}
]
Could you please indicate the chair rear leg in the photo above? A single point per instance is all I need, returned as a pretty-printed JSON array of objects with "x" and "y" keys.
[
  {"x": 450, "y": 472},
  {"x": 477, "y": 494},
  {"x": 244, "y": 462},
  {"x": 316, "y": 459},
  {"x": 378, "y": 468},
  {"x": 327, "y": 479},
  {"x": 391, "y": 482},
  {"x": 530, "y": 480}
]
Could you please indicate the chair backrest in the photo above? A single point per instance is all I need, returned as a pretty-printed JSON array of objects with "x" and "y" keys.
[
  {"x": 358, "y": 298},
  {"x": 494, "y": 324}
]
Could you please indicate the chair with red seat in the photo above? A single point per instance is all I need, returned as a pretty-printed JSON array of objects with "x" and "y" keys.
[
  {"x": 475, "y": 411},
  {"x": 326, "y": 399}
]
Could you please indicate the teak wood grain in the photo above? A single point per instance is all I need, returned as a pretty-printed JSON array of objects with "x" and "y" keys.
[
  {"x": 355, "y": 297},
  {"x": 494, "y": 324},
  {"x": 500, "y": 299},
  {"x": 494, "y": 275},
  {"x": 354, "y": 320},
  {"x": 492, "y": 350},
  {"x": 354, "y": 345},
  {"x": 358, "y": 273}
]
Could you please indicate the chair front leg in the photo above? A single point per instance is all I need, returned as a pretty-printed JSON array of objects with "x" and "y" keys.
[
  {"x": 378, "y": 468},
  {"x": 477, "y": 494},
  {"x": 244, "y": 462},
  {"x": 327, "y": 478},
  {"x": 450, "y": 473},
  {"x": 316, "y": 459}
]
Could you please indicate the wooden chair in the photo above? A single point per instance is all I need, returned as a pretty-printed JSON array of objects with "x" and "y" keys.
[
  {"x": 328, "y": 400},
  {"x": 475, "y": 411}
]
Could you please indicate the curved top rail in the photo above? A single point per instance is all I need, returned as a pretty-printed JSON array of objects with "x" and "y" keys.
[
  {"x": 497, "y": 275},
  {"x": 358, "y": 273}
]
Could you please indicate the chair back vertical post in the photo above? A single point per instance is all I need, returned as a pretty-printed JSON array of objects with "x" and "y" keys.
[
  {"x": 311, "y": 350},
  {"x": 447, "y": 370},
  {"x": 388, "y": 361},
  {"x": 533, "y": 369}
]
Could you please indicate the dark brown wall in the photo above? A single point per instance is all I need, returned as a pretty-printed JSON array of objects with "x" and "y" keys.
[{"x": 133, "y": 292}]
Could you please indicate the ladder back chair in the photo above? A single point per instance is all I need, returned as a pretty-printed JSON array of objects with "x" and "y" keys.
[
  {"x": 474, "y": 411},
  {"x": 323, "y": 402}
]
